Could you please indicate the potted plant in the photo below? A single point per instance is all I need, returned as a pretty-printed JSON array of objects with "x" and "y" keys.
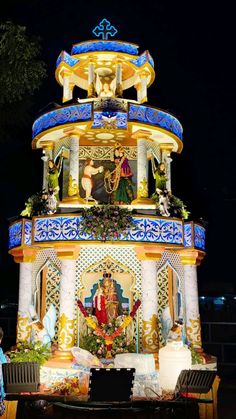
[{"x": 22, "y": 373}]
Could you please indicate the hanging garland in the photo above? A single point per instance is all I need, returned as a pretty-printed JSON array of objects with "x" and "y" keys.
[
  {"x": 108, "y": 334},
  {"x": 106, "y": 222}
]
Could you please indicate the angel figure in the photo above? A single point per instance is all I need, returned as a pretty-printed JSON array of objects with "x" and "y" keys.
[
  {"x": 54, "y": 171},
  {"x": 159, "y": 174},
  {"x": 43, "y": 332},
  {"x": 105, "y": 89}
]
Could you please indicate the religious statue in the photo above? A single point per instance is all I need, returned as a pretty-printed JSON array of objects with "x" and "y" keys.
[
  {"x": 43, "y": 332},
  {"x": 119, "y": 181},
  {"x": 105, "y": 89},
  {"x": 86, "y": 181},
  {"x": 99, "y": 304},
  {"x": 164, "y": 202},
  {"x": 51, "y": 202},
  {"x": 54, "y": 171},
  {"x": 175, "y": 333},
  {"x": 159, "y": 174},
  {"x": 111, "y": 298}
]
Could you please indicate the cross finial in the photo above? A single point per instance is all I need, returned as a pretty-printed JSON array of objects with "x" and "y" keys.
[{"x": 104, "y": 29}]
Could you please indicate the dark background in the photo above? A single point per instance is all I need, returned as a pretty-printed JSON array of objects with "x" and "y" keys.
[{"x": 192, "y": 44}]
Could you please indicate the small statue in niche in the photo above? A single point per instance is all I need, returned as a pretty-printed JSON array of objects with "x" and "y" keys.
[
  {"x": 43, "y": 332},
  {"x": 119, "y": 181},
  {"x": 105, "y": 89},
  {"x": 111, "y": 298},
  {"x": 99, "y": 304},
  {"x": 86, "y": 181},
  {"x": 164, "y": 202},
  {"x": 159, "y": 174},
  {"x": 175, "y": 333},
  {"x": 54, "y": 171},
  {"x": 51, "y": 202}
]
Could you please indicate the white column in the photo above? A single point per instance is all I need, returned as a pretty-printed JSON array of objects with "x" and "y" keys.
[
  {"x": 149, "y": 306},
  {"x": 193, "y": 325},
  {"x": 47, "y": 154},
  {"x": 118, "y": 79},
  {"x": 67, "y": 305},
  {"x": 91, "y": 80},
  {"x": 67, "y": 90},
  {"x": 142, "y": 169},
  {"x": 167, "y": 160},
  {"x": 73, "y": 188},
  {"x": 25, "y": 299},
  {"x": 143, "y": 87}
]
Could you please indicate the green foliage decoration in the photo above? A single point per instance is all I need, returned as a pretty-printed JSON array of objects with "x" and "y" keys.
[
  {"x": 176, "y": 206},
  {"x": 35, "y": 205},
  {"x": 106, "y": 222},
  {"x": 30, "y": 352}
]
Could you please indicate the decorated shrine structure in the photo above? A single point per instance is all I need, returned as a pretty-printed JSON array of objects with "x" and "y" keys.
[{"x": 99, "y": 153}]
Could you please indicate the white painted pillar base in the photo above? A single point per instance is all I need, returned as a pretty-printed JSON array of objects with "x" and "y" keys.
[{"x": 149, "y": 306}]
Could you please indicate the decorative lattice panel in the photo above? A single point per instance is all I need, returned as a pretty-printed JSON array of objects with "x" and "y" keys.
[
  {"x": 65, "y": 143},
  {"x": 41, "y": 260},
  {"x": 162, "y": 299},
  {"x": 47, "y": 259},
  {"x": 124, "y": 259},
  {"x": 173, "y": 261},
  {"x": 53, "y": 290},
  {"x": 154, "y": 148}
]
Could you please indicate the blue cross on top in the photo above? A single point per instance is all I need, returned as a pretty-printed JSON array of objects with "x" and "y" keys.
[{"x": 104, "y": 29}]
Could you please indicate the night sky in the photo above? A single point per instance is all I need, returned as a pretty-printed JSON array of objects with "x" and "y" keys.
[{"x": 192, "y": 44}]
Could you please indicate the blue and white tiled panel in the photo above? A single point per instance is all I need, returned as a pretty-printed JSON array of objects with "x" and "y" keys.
[
  {"x": 20, "y": 233},
  {"x": 194, "y": 236},
  {"x": 149, "y": 230}
]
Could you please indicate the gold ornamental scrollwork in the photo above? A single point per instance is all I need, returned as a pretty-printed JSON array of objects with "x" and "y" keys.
[
  {"x": 73, "y": 188},
  {"x": 150, "y": 334},
  {"x": 66, "y": 333},
  {"x": 194, "y": 332},
  {"x": 143, "y": 189},
  {"x": 23, "y": 329}
]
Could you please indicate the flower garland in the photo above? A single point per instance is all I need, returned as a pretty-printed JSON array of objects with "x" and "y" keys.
[
  {"x": 102, "y": 332},
  {"x": 106, "y": 222}
]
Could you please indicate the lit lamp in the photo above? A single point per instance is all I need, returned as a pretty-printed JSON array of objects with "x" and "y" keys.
[{"x": 173, "y": 358}]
